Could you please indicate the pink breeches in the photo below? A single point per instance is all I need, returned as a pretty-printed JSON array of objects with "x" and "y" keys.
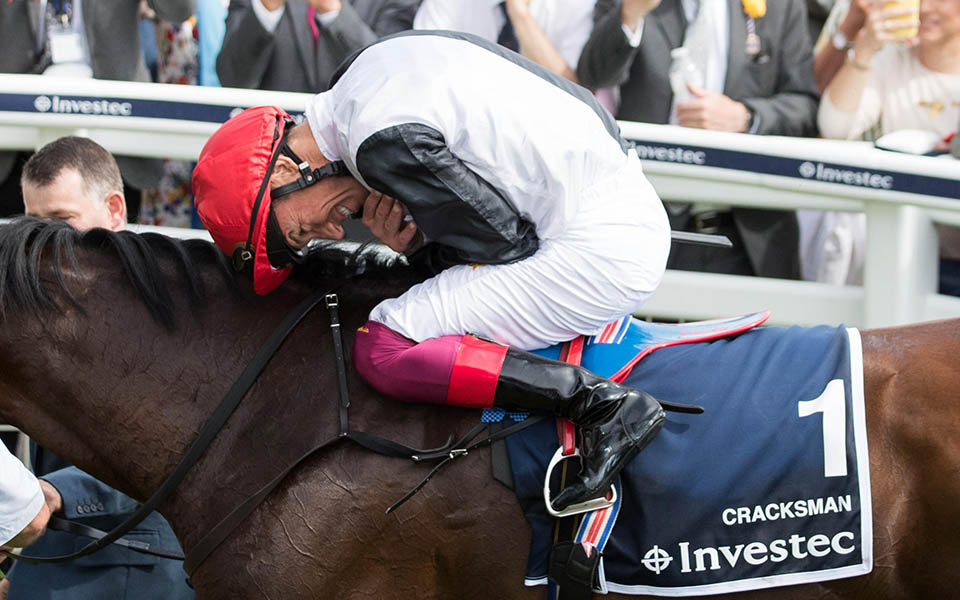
[{"x": 453, "y": 369}]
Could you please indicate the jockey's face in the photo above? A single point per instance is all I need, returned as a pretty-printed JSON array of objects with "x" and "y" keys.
[
  {"x": 317, "y": 211},
  {"x": 69, "y": 199}
]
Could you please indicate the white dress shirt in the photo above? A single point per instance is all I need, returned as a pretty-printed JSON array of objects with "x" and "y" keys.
[
  {"x": 566, "y": 23},
  {"x": 718, "y": 16},
  {"x": 20, "y": 496}
]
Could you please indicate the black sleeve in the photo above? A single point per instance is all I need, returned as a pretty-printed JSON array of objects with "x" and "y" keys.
[
  {"x": 450, "y": 203},
  {"x": 247, "y": 48},
  {"x": 606, "y": 58}
]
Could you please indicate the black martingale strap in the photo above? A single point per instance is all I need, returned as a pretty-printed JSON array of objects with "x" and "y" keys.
[
  {"x": 462, "y": 449},
  {"x": 339, "y": 357},
  {"x": 210, "y": 430}
]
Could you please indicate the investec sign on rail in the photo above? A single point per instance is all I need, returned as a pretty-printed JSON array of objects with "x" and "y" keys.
[
  {"x": 677, "y": 154},
  {"x": 82, "y": 107}
]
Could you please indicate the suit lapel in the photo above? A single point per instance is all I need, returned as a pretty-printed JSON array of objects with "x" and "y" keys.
[
  {"x": 670, "y": 20},
  {"x": 297, "y": 11},
  {"x": 737, "y": 51}
]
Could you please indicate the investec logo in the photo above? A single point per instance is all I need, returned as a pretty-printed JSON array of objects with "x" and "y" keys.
[
  {"x": 82, "y": 107},
  {"x": 820, "y": 172},
  {"x": 797, "y": 547},
  {"x": 676, "y": 154}
]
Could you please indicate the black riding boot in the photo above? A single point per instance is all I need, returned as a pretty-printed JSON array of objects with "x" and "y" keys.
[{"x": 615, "y": 422}]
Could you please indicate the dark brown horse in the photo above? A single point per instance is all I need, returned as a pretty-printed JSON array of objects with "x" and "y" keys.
[{"x": 94, "y": 366}]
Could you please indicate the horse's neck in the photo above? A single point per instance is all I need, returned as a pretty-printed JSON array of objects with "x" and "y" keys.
[
  {"x": 118, "y": 395},
  {"x": 122, "y": 398}
]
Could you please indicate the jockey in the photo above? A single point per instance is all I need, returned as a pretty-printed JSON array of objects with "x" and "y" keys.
[{"x": 519, "y": 176}]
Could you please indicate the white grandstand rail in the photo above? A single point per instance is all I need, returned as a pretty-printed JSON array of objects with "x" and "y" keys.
[
  {"x": 775, "y": 172},
  {"x": 168, "y": 121},
  {"x": 21, "y": 448},
  {"x": 147, "y": 120}
]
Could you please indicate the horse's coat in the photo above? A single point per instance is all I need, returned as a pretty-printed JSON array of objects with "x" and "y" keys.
[{"x": 101, "y": 382}]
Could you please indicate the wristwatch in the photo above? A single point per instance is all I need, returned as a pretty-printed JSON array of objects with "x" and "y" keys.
[{"x": 840, "y": 41}]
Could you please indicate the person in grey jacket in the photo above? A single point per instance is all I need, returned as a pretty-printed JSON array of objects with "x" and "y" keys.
[
  {"x": 296, "y": 45},
  {"x": 774, "y": 84}
]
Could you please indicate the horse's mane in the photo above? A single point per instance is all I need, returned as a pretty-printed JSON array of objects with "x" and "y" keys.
[{"x": 26, "y": 242}]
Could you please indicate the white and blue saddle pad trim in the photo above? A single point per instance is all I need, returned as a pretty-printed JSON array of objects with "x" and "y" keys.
[
  {"x": 620, "y": 345},
  {"x": 751, "y": 494}
]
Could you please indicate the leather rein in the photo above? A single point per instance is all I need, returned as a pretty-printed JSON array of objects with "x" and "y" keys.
[{"x": 454, "y": 448}]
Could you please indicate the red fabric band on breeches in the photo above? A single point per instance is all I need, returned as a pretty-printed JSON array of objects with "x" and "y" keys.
[
  {"x": 476, "y": 371},
  {"x": 453, "y": 369}
]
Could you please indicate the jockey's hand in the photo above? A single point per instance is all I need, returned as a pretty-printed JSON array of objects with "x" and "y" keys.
[
  {"x": 384, "y": 217},
  {"x": 632, "y": 11},
  {"x": 4, "y": 588}
]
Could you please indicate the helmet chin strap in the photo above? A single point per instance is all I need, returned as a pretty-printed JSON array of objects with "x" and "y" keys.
[{"x": 307, "y": 176}]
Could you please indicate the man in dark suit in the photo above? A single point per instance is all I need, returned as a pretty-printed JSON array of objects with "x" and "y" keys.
[
  {"x": 114, "y": 572},
  {"x": 112, "y": 48},
  {"x": 296, "y": 45},
  {"x": 767, "y": 88}
]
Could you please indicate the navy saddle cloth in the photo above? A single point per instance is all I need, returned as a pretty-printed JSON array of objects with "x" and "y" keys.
[{"x": 753, "y": 491}]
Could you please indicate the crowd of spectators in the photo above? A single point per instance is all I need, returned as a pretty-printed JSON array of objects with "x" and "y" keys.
[{"x": 846, "y": 69}]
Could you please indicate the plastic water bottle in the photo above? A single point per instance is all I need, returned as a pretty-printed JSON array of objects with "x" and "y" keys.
[{"x": 683, "y": 71}]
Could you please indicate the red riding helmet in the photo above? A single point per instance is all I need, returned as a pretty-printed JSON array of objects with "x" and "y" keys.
[
  {"x": 232, "y": 192},
  {"x": 231, "y": 187}
]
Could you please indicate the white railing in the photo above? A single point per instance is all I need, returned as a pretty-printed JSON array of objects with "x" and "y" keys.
[
  {"x": 21, "y": 448},
  {"x": 902, "y": 195}
]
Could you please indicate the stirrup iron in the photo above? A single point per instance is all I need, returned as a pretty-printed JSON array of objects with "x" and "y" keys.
[{"x": 574, "y": 509}]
